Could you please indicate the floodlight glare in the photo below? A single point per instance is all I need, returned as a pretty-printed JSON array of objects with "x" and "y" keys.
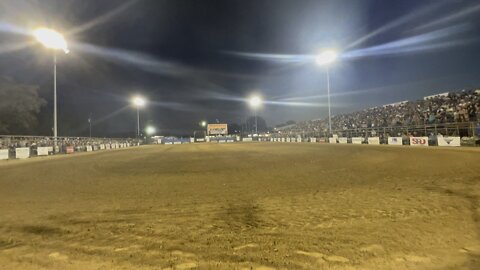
[
  {"x": 327, "y": 57},
  {"x": 203, "y": 123},
  {"x": 255, "y": 101},
  {"x": 138, "y": 102},
  {"x": 150, "y": 130},
  {"x": 51, "y": 39}
]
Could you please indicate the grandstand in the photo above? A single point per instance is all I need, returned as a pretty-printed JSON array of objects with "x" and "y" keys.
[{"x": 451, "y": 113}]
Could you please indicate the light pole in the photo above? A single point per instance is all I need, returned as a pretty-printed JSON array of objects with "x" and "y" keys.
[
  {"x": 255, "y": 102},
  {"x": 53, "y": 40},
  {"x": 90, "y": 124},
  {"x": 138, "y": 102},
  {"x": 326, "y": 58}
]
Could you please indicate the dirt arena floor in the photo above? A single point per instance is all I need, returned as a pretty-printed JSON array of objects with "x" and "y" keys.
[{"x": 243, "y": 206}]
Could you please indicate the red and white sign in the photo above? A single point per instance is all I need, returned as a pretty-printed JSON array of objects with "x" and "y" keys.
[
  {"x": 419, "y": 141},
  {"x": 448, "y": 141},
  {"x": 69, "y": 149}
]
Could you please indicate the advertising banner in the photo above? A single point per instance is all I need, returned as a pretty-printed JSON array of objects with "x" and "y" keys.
[
  {"x": 3, "y": 154},
  {"x": 313, "y": 140},
  {"x": 102, "y": 146},
  {"x": 343, "y": 140},
  {"x": 42, "y": 151},
  {"x": 419, "y": 141},
  {"x": 89, "y": 148},
  {"x": 23, "y": 152},
  {"x": 217, "y": 129},
  {"x": 69, "y": 150},
  {"x": 247, "y": 139},
  {"x": 332, "y": 140},
  {"x": 395, "y": 140},
  {"x": 448, "y": 141},
  {"x": 373, "y": 140},
  {"x": 357, "y": 140}
]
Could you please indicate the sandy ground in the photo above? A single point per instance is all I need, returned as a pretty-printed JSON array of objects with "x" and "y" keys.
[{"x": 243, "y": 206}]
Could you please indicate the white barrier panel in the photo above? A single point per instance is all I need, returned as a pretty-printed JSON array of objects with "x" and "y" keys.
[
  {"x": 332, "y": 140},
  {"x": 357, "y": 140},
  {"x": 419, "y": 141},
  {"x": 448, "y": 141},
  {"x": 42, "y": 151},
  {"x": 395, "y": 140},
  {"x": 313, "y": 139},
  {"x": 108, "y": 146},
  {"x": 89, "y": 148},
  {"x": 373, "y": 140},
  {"x": 23, "y": 152},
  {"x": 283, "y": 139},
  {"x": 247, "y": 139},
  {"x": 3, "y": 154},
  {"x": 288, "y": 140},
  {"x": 230, "y": 141},
  {"x": 102, "y": 146},
  {"x": 342, "y": 140},
  {"x": 177, "y": 142},
  {"x": 169, "y": 143}
]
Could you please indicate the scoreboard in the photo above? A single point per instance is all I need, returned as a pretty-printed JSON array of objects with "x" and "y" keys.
[{"x": 217, "y": 129}]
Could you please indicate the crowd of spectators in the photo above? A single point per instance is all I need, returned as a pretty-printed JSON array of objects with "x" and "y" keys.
[
  {"x": 79, "y": 143},
  {"x": 460, "y": 106}
]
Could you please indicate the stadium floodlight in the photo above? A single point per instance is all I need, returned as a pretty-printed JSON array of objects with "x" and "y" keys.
[
  {"x": 326, "y": 58},
  {"x": 203, "y": 123},
  {"x": 138, "y": 102},
  {"x": 255, "y": 102},
  {"x": 53, "y": 40},
  {"x": 150, "y": 130}
]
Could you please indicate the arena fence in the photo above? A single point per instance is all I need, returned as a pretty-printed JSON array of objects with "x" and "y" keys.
[
  {"x": 21, "y": 147},
  {"x": 460, "y": 129}
]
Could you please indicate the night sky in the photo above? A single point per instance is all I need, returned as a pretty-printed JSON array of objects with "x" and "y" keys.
[{"x": 199, "y": 59}]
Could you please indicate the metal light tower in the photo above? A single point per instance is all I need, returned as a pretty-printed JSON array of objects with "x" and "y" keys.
[
  {"x": 138, "y": 102},
  {"x": 255, "y": 102},
  {"x": 326, "y": 58},
  {"x": 53, "y": 40}
]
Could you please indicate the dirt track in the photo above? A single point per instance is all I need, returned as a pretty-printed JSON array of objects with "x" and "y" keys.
[{"x": 234, "y": 206}]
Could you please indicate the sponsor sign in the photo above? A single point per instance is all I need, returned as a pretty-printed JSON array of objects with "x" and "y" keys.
[
  {"x": 419, "y": 141},
  {"x": 102, "y": 146},
  {"x": 373, "y": 140},
  {"x": 89, "y": 148},
  {"x": 3, "y": 154},
  {"x": 247, "y": 139},
  {"x": 217, "y": 129},
  {"x": 342, "y": 140},
  {"x": 288, "y": 140},
  {"x": 357, "y": 140},
  {"x": 177, "y": 142},
  {"x": 69, "y": 149},
  {"x": 23, "y": 152},
  {"x": 332, "y": 140},
  {"x": 168, "y": 142},
  {"x": 448, "y": 141},
  {"x": 395, "y": 141},
  {"x": 108, "y": 146},
  {"x": 283, "y": 139},
  {"x": 42, "y": 151},
  {"x": 313, "y": 140}
]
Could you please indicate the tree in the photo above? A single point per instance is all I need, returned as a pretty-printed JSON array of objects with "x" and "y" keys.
[
  {"x": 19, "y": 107},
  {"x": 250, "y": 124}
]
